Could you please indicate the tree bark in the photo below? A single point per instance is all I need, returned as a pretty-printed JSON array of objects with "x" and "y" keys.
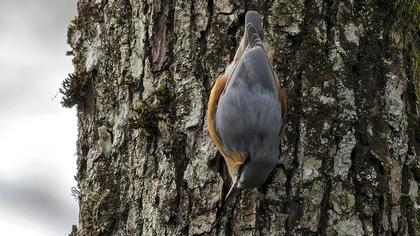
[{"x": 146, "y": 166}]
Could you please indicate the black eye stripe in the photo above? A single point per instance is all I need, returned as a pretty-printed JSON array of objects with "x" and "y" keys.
[
  {"x": 241, "y": 168},
  {"x": 247, "y": 158}
]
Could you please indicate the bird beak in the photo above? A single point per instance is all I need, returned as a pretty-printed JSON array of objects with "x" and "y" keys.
[{"x": 235, "y": 182}]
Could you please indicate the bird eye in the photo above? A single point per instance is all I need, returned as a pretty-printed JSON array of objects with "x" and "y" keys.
[
  {"x": 246, "y": 161},
  {"x": 247, "y": 158},
  {"x": 241, "y": 168}
]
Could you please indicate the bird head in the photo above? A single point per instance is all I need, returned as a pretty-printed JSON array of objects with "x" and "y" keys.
[{"x": 252, "y": 169}]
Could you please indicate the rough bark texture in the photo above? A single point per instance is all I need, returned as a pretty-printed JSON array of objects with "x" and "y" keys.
[{"x": 146, "y": 165}]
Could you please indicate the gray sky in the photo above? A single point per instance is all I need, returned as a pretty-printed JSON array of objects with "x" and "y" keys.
[{"x": 37, "y": 135}]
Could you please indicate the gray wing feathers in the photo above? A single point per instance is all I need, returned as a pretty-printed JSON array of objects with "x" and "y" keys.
[
  {"x": 248, "y": 113},
  {"x": 254, "y": 68},
  {"x": 247, "y": 118}
]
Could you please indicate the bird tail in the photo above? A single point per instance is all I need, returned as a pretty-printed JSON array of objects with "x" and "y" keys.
[
  {"x": 253, "y": 32},
  {"x": 253, "y": 36}
]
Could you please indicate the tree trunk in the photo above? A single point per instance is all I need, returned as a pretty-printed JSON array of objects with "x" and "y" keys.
[{"x": 146, "y": 165}]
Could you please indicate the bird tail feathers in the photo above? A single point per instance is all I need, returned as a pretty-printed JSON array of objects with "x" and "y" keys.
[{"x": 253, "y": 32}]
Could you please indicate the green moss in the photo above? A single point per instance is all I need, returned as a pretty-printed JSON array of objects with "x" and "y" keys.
[
  {"x": 72, "y": 89},
  {"x": 99, "y": 211},
  {"x": 144, "y": 109},
  {"x": 89, "y": 203},
  {"x": 146, "y": 118},
  {"x": 322, "y": 39},
  {"x": 151, "y": 110},
  {"x": 129, "y": 79},
  {"x": 162, "y": 95},
  {"x": 73, "y": 21}
]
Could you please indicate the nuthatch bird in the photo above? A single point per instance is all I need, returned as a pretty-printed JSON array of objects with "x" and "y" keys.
[{"x": 246, "y": 110}]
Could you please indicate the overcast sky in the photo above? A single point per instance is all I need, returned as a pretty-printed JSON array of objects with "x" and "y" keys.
[{"x": 37, "y": 135}]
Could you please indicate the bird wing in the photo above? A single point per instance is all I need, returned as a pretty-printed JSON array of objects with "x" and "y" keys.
[
  {"x": 232, "y": 159},
  {"x": 255, "y": 35},
  {"x": 249, "y": 110}
]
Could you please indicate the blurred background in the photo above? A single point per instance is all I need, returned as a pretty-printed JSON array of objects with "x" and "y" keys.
[{"x": 37, "y": 135}]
